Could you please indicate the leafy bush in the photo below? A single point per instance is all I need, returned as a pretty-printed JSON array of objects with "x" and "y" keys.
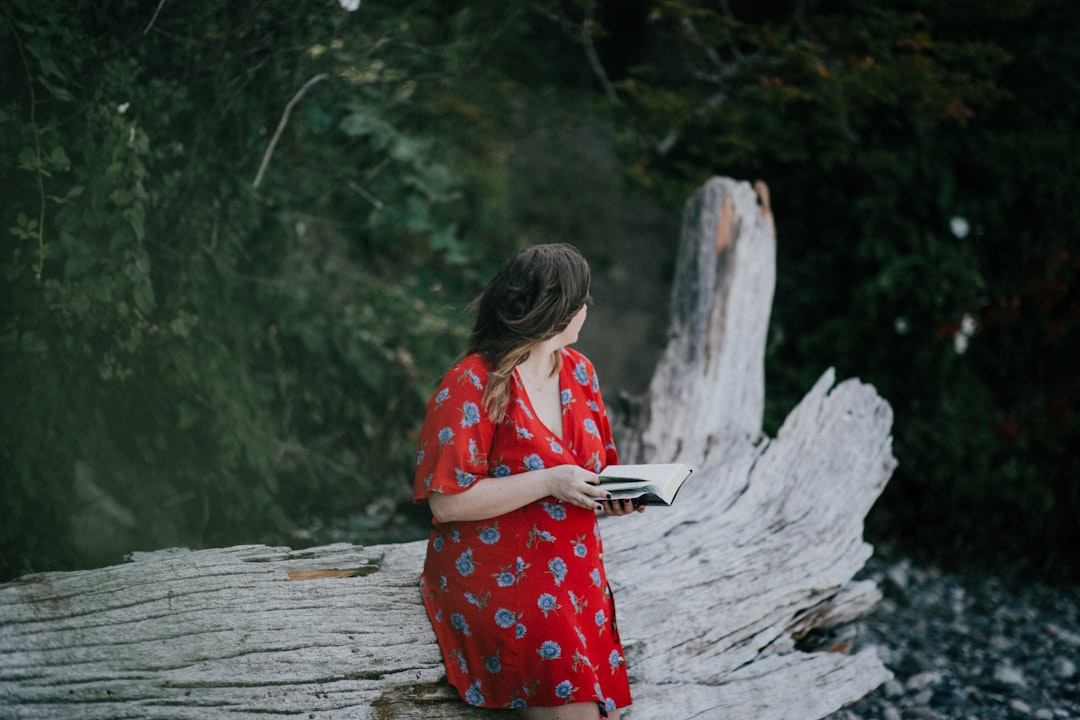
[
  {"x": 186, "y": 356},
  {"x": 917, "y": 158}
]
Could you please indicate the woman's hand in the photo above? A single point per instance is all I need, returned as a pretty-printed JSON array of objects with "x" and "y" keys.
[
  {"x": 576, "y": 486},
  {"x": 620, "y": 507}
]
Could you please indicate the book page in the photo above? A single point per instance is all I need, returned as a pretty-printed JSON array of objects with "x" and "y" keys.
[
  {"x": 619, "y": 485},
  {"x": 656, "y": 474}
]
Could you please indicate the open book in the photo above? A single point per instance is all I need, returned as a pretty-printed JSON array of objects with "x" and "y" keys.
[{"x": 653, "y": 484}]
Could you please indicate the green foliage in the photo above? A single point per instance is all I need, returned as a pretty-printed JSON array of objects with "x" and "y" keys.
[
  {"x": 919, "y": 158},
  {"x": 225, "y": 359}
]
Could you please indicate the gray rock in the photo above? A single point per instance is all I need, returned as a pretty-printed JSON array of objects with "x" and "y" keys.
[
  {"x": 923, "y": 680},
  {"x": 893, "y": 689},
  {"x": 1001, "y": 644},
  {"x": 899, "y": 574},
  {"x": 971, "y": 647},
  {"x": 1063, "y": 668},
  {"x": 1019, "y": 706},
  {"x": 1006, "y": 674},
  {"x": 1059, "y": 633}
]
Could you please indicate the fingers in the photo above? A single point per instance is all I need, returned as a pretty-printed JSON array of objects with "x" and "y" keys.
[
  {"x": 620, "y": 507},
  {"x": 598, "y": 499},
  {"x": 582, "y": 488},
  {"x": 586, "y": 496},
  {"x": 595, "y": 492}
]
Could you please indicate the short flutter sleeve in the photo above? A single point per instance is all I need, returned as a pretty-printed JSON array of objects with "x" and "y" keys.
[{"x": 452, "y": 452}]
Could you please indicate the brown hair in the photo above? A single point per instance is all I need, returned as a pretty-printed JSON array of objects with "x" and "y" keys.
[{"x": 532, "y": 298}]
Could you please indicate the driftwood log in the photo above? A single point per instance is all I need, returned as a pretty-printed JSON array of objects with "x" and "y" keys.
[{"x": 729, "y": 601}]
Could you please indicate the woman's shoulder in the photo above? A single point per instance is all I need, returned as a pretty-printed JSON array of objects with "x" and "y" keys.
[
  {"x": 475, "y": 368},
  {"x": 571, "y": 354},
  {"x": 575, "y": 358},
  {"x": 478, "y": 363},
  {"x": 581, "y": 369}
]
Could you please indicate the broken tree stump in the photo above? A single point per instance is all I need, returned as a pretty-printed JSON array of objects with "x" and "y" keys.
[{"x": 728, "y": 600}]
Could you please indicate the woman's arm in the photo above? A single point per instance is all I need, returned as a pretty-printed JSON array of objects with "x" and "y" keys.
[{"x": 491, "y": 497}]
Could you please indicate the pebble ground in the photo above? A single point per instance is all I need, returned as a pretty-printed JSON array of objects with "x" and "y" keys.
[{"x": 970, "y": 648}]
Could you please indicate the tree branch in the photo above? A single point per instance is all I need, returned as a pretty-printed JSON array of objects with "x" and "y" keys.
[
  {"x": 594, "y": 60},
  {"x": 154, "y": 18},
  {"x": 281, "y": 126}
]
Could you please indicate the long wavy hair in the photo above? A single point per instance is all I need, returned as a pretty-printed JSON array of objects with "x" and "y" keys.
[{"x": 532, "y": 298}]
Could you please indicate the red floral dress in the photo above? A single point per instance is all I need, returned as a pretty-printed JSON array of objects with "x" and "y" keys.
[{"x": 520, "y": 603}]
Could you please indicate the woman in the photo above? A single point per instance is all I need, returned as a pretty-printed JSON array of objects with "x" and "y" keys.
[{"x": 513, "y": 438}]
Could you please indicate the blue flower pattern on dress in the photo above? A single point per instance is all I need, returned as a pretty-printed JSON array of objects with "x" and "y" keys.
[
  {"x": 480, "y": 602},
  {"x": 555, "y": 510},
  {"x": 470, "y": 414},
  {"x": 557, "y": 568},
  {"x": 475, "y": 456},
  {"x": 489, "y": 535},
  {"x": 581, "y": 373},
  {"x": 464, "y": 479},
  {"x": 580, "y": 549},
  {"x": 549, "y": 650},
  {"x": 473, "y": 696},
  {"x": 572, "y": 580},
  {"x": 459, "y": 623},
  {"x": 537, "y": 535},
  {"x": 547, "y": 603},
  {"x": 471, "y": 377},
  {"x": 463, "y": 664},
  {"x": 464, "y": 563},
  {"x": 511, "y": 574},
  {"x": 493, "y": 665}
]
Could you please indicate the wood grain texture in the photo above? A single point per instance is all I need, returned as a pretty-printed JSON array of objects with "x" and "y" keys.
[{"x": 728, "y": 602}]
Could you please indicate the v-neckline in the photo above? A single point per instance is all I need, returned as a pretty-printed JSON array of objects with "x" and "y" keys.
[{"x": 532, "y": 406}]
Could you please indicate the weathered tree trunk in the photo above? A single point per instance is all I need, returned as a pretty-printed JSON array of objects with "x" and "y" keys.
[{"x": 714, "y": 594}]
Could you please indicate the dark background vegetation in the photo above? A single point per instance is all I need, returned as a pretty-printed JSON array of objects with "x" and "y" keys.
[{"x": 188, "y": 357}]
